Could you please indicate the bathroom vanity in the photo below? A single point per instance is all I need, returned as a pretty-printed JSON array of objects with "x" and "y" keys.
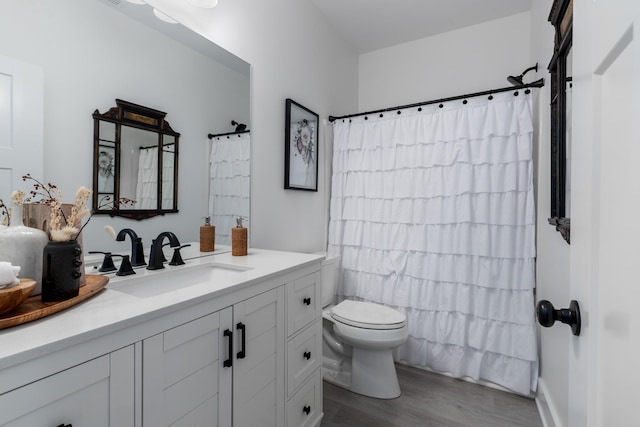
[{"x": 223, "y": 340}]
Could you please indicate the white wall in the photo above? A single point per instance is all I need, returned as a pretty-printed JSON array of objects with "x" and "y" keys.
[
  {"x": 468, "y": 60},
  {"x": 91, "y": 54},
  {"x": 294, "y": 54},
  {"x": 553, "y": 251}
]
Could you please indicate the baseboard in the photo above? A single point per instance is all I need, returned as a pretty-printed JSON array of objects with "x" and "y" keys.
[{"x": 546, "y": 409}]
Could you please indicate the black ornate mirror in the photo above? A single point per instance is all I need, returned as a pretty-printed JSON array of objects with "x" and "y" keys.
[
  {"x": 561, "y": 17},
  {"x": 135, "y": 159}
]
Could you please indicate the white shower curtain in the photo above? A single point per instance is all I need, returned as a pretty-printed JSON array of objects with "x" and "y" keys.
[
  {"x": 230, "y": 169},
  {"x": 147, "y": 186},
  {"x": 432, "y": 212}
]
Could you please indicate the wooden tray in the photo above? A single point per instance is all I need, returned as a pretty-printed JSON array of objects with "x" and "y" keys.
[{"x": 33, "y": 308}]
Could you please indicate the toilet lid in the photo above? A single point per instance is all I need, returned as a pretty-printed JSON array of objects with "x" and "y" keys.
[{"x": 368, "y": 315}]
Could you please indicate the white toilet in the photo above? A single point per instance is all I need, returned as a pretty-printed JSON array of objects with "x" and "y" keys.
[{"x": 358, "y": 340}]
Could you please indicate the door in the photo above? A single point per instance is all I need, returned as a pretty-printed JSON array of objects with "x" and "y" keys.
[
  {"x": 21, "y": 124},
  {"x": 258, "y": 369},
  {"x": 605, "y": 231},
  {"x": 185, "y": 379},
  {"x": 98, "y": 393}
]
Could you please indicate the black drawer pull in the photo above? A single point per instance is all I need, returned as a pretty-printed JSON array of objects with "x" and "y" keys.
[
  {"x": 65, "y": 425},
  {"x": 307, "y": 355},
  {"x": 242, "y": 328},
  {"x": 307, "y": 301},
  {"x": 229, "y": 362},
  {"x": 307, "y": 409}
]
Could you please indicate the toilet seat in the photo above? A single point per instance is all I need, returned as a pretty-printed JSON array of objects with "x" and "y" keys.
[{"x": 367, "y": 315}]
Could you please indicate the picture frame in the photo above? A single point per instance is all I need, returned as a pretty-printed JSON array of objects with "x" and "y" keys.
[{"x": 301, "y": 147}]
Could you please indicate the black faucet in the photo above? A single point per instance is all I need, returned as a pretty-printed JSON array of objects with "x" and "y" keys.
[
  {"x": 156, "y": 256},
  {"x": 137, "y": 250}
]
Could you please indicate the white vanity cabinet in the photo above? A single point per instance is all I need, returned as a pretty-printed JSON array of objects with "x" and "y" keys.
[
  {"x": 97, "y": 393},
  {"x": 221, "y": 367},
  {"x": 246, "y": 354},
  {"x": 304, "y": 351}
]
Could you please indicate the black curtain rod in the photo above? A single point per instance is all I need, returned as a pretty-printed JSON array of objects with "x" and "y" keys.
[
  {"x": 211, "y": 136},
  {"x": 537, "y": 83},
  {"x": 155, "y": 146}
]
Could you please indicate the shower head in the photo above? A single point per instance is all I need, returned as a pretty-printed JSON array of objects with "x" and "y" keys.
[{"x": 517, "y": 80}]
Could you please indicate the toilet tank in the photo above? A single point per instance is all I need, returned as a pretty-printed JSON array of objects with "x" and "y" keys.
[{"x": 329, "y": 278}]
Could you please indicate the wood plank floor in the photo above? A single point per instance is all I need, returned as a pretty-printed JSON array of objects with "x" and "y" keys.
[{"x": 429, "y": 399}]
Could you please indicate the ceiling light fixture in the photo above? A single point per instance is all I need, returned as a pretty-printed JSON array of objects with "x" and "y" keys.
[{"x": 207, "y": 4}]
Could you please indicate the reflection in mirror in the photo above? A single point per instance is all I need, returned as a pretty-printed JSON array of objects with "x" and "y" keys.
[
  {"x": 93, "y": 51},
  {"x": 229, "y": 181},
  {"x": 135, "y": 159}
]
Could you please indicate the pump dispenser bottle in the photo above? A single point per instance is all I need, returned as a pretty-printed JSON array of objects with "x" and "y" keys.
[
  {"x": 207, "y": 236},
  {"x": 239, "y": 239}
]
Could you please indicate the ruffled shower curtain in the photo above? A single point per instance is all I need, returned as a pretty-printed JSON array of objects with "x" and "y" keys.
[
  {"x": 432, "y": 212},
  {"x": 230, "y": 168},
  {"x": 147, "y": 187}
]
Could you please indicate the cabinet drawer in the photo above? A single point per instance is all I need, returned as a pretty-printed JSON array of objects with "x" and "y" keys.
[
  {"x": 303, "y": 302},
  {"x": 304, "y": 354},
  {"x": 305, "y": 408}
]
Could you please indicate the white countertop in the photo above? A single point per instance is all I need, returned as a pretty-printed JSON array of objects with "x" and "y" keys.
[{"x": 113, "y": 310}]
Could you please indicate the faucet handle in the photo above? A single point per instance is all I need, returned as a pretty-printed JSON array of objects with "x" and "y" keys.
[
  {"x": 137, "y": 254},
  {"x": 177, "y": 258},
  {"x": 125, "y": 266},
  {"x": 107, "y": 262}
]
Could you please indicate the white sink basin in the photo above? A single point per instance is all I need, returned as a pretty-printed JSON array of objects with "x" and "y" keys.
[{"x": 147, "y": 283}]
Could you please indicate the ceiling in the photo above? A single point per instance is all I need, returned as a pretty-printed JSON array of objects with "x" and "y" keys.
[{"x": 369, "y": 25}]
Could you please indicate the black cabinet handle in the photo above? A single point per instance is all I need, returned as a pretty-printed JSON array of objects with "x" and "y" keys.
[
  {"x": 307, "y": 301},
  {"x": 242, "y": 328},
  {"x": 307, "y": 409},
  {"x": 307, "y": 355},
  {"x": 65, "y": 425},
  {"x": 229, "y": 362}
]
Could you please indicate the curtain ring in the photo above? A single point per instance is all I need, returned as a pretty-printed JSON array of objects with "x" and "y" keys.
[
  {"x": 399, "y": 112},
  {"x": 490, "y": 97},
  {"x": 419, "y": 108},
  {"x": 527, "y": 92},
  {"x": 440, "y": 105},
  {"x": 366, "y": 117},
  {"x": 465, "y": 102},
  {"x": 381, "y": 115},
  {"x": 516, "y": 93}
]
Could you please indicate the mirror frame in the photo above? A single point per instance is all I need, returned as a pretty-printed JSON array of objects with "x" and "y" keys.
[
  {"x": 561, "y": 17},
  {"x": 137, "y": 116}
]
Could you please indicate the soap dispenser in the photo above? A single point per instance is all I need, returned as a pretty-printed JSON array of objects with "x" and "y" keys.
[
  {"x": 207, "y": 236},
  {"x": 239, "y": 239}
]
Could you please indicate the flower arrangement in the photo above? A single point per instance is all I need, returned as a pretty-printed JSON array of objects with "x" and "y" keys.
[{"x": 61, "y": 228}]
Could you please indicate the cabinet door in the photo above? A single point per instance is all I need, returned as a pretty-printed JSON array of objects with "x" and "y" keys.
[
  {"x": 258, "y": 368},
  {"x": 98, "y": 393},
  {"x": 184, "y": 380}
]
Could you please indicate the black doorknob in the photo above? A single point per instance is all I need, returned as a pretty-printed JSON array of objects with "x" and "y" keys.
[{"x": 547, "y": 315}]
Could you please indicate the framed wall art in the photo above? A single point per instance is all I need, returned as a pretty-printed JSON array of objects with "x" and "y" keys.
[{"x": 301, "y": 148}]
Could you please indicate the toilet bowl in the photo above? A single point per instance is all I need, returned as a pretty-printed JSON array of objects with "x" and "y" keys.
[{"x": 358, "y": 341}]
